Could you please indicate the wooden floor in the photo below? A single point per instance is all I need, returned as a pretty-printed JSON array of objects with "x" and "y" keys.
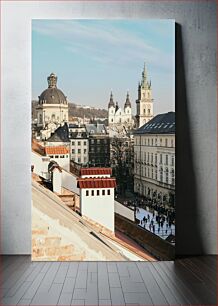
[{"x": 188, "y": 281}]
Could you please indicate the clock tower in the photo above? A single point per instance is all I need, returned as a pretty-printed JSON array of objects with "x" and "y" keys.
[{"x": 144, "y": 103}]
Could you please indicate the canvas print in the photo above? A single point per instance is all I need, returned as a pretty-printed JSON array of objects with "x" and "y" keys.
[{"x": 103, "y": 140}]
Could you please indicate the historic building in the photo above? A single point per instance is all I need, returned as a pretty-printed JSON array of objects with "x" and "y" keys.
[
  {"x": 52, "y": 108},
  {"x": 79, "y": 144},
  {"x": 99, "y": 145},
  {"x": 119, "y": 116},
  {"x": 144, "y": 103},
  {"x": 154, "y": 159}
]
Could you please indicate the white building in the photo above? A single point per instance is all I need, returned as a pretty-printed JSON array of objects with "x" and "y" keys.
[
  {"x": 79, "y": 144},
  {"x": 97, "y": 197},
  {"x": 119, "y": 116},
  {"x": 144, "y": 103},
  {"x": 52, "y": 108},
  {"x": 154, "y": 158},
  {"x": 59, "y": 154}
]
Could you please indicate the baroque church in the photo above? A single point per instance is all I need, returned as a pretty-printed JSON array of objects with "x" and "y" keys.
[
  {"x": 144, "y": 107},
  {"x": 118, "y": 116},
  {"x": 52, "y": 109}
]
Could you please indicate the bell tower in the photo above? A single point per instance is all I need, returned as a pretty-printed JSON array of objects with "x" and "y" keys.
[{"x": 144, "y": 103}]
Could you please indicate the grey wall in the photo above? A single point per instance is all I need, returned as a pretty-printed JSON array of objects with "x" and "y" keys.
[{"x": 196, "y": 113}]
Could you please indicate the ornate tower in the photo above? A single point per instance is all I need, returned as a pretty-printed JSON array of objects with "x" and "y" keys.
[
  {"x": 111, "y": 110},
  {"x": 144, "y": 103},
  {"x": 128, "y": 110}
]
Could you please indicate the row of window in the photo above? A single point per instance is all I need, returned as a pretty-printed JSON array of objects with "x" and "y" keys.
[
  {"x": 58, "y": 156},
  {"x": 79, "y": 151},
  {"x": 153, "y": 174},
  {"x": 152, "y": 158},
  {"x": 79, "y": 160},
  {"x": 154, "y": 142},
  {"x": 98, "y": 192},
  {"x": 79, "y": 143},
  {"x": 99, "y": 141}
]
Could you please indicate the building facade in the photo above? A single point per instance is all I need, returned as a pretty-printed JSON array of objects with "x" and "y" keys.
[
  {"x": 60, "y": 155},
  {"x": 154, "y": 159},
  {"x": 119, "y": 116},
  {"x": 97, "y": 196},
  {"x": 52, "y": 108},
  {"x": 99, "y": 145},
  {"x": 144, "y": 103}
]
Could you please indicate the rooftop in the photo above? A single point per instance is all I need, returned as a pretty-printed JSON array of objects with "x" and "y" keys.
[
  {"x": 88, "y": 183},
  {"x": 56, "y": 150},
  {"x": 60, "y": 135},
  {"x": 95, "y": 171},
  {"x": 160, "y": 124}
]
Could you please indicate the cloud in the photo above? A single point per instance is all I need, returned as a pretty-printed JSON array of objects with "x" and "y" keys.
[{"x": 104, "y": 42}]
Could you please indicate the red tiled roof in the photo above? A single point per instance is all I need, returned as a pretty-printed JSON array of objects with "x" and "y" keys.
[
  {"x": 95, "y": 171},
  {"x": 56, "y": 150},
  {"x": 96, "y": 183}
]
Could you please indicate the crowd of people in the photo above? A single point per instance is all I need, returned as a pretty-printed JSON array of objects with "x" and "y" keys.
[{"x": 159, "y": 219}]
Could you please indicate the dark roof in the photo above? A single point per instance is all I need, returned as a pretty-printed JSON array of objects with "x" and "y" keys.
[
  {"x": 60, "y": 135},
  {"x": 160, "y": 124},
  {"x": 52, "y": 95},
  {"x": 78, "y": 135},
  {"x": 127, "y": 103},
  {"x": 96, "y": 129}
]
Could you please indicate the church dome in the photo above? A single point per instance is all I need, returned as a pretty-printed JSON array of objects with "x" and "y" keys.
[{"x": 52, "y": 95}]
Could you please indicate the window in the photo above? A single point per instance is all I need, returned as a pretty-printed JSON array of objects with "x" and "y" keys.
[
  {"x": 155, "y": 159},
  {"x": 152, "y": 158},
  {"x": 172, "y": 144},
  {"x": 93, "y": 193},
  {"x": 84, "y": 143},
  {"x": 161, "y": 159},
  {"x": 148, "y": 158},
  {"x": 98, "y": 192},
  {"x": 161, "y": 174},
  {"x": 166, "y": 142},
  {"x": 152, "y": 173},
  {"x": 148, "y": 172},
  {"x": 148, "y": 142},
  {"x": 61, "y": 156},
  {"x": 108, "y": 192},
  {"x": 161, "y": 142},
  {"x": 152, "y": 141},
  {"x": 98, "y": 141},
  {"x": 56, "y": 156},
  {"x": 73, "y": 143},
  {"x": 79, "y": 151},
  {"x": 92, "y": 141},
  {"x": 79, "y": 160},
  {"x": 73, "y": 151},
  {"x": 167, "y": 160},
  {"x": 40, "y": 118},
  {"x": 66, "y": 156},
  {"x": 85, "y": 151},
  {"x": 51, "y": 156},
  {"x": 156, "y": 174},
  {"x": 167, "y": 175},
  {"x": 144, "y": 111},
  {"x": 155, "y": 141},
  {"x": 173, "y": 177},
  {"x": 79, "y": 143},
  {"x": 85, "y": 160},
  {"x": 149, "y": 111},
  {"x": 172, "y": 161},
  {"x": 103, "y": 192},
  {"x": 87, "y": 193}
]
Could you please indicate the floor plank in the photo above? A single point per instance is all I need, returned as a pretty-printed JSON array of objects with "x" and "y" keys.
[{"x": 187, "y": 281}]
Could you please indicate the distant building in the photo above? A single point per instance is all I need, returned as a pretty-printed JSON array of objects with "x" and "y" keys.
[
  {"x": 99, "y": 145},
  {"x": 154, "y": 159},
  {"x": 59, "y": 137},
  {"x": 97, "y": 196},
  {"x": 144, "y": 103},
  {"x": 79, "y": 144},
  {"x": 52, "y": 109},
  {"x": 119, "y": 116}
]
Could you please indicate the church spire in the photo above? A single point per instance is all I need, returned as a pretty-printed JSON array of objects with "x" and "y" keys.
[
  {"x": 111, "y": 102},
  {"x": 127, "y": 103}
]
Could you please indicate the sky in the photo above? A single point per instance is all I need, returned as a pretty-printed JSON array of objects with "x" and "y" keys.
[{"x": 93, "y": 57}]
